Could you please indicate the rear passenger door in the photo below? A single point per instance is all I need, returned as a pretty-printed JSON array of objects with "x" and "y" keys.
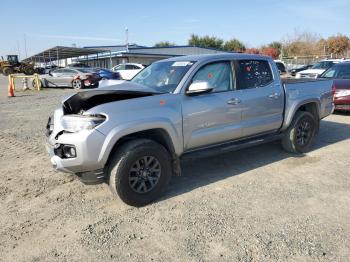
[{"x": 262, "y": 98}]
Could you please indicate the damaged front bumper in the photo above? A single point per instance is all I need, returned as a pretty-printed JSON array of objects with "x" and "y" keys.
[{"x": 83, "y": 161}]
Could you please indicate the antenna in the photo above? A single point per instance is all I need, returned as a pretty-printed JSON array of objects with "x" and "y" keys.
[
  {"x": 25, "y": 45},
  {"x": 127, "y": 39}
]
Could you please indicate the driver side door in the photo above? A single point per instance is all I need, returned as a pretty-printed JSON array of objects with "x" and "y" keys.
[{"x": 213, "y": 117}]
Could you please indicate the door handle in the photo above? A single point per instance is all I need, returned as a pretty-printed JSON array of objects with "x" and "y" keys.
[
  {"x": 233, "y": 101},
  {"x": 274, "y": 95}
]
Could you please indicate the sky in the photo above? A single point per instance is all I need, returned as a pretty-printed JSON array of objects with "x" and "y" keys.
[{"x": 42, "y": 24}]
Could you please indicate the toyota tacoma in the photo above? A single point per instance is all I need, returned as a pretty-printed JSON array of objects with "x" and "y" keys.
[{"x": 133, "y": 135}]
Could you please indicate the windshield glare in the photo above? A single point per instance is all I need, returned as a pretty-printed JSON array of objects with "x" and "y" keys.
[{"x": 164, "y": 76}]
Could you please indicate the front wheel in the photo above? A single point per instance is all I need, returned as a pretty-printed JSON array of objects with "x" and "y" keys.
[
  {"x": 299, "y": 136},
  {"x": 139, "y": 171},
  {"x": 77, "y": 84}
]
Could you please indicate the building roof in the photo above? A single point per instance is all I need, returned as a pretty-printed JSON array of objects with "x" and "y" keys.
[{"x": 62, "y": 52}]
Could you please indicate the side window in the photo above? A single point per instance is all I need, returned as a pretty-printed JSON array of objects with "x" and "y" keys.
[
  {"x": 131, "y": 67},
  {"x": 253, "y": 74},
  {"x": 120, "y": 67},
  {"x": 217, "y": 75}
]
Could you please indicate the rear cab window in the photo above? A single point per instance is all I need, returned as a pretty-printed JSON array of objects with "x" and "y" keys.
[{"x": 253, "y": 73}]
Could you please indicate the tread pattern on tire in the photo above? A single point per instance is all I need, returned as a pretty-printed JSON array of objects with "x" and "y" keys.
[
  {"x": 118, "y": 162},
  {"x": 288, "y": 139}
]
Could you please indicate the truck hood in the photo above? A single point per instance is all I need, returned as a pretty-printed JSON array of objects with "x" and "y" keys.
[{"x": 82, "y": 101}]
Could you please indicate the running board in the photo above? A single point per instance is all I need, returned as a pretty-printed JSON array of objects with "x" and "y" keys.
[{"x": 230, "y": 146}]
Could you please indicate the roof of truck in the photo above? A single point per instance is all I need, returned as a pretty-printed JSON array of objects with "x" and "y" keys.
[{"x": 216, "y": 56}]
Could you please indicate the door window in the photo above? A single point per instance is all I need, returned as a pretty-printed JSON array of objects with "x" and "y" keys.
[
  {"x": 217, "y": 75},
  {"x": 253, "y": 74}
]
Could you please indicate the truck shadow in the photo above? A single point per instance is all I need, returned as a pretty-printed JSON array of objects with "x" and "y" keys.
[{"x": 203, "y": 171}]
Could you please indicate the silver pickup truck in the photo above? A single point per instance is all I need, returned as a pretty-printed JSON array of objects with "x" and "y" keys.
[{"x": 133, "y": 135}]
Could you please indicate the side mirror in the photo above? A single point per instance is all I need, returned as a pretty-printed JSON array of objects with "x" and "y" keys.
[{"x": 199, "y": 87}]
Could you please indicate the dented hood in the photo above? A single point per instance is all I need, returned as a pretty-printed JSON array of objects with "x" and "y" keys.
[{"x": 84, "y": 100}]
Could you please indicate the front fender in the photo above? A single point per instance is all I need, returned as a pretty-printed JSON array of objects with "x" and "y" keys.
[{"x": 136, "y": 126}]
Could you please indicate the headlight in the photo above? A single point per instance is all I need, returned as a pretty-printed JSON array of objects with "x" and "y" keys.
[{"x": 76, "y": 123}]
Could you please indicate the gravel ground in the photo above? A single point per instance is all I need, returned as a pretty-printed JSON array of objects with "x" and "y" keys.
[{"x": 257, "y": 204}]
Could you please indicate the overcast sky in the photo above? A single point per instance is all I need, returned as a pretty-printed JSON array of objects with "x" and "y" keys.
[{"x": 46, "y": 24}]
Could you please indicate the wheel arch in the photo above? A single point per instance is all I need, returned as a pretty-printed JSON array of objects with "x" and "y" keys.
[{"x": 312, "y": 106}]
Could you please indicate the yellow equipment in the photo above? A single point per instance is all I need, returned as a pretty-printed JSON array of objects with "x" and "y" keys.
[{"x": 12, "y": 65}]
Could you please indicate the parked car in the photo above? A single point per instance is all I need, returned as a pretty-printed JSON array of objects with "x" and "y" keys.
[
  {"x": 318, "y": 68},
  {"x": 128, "y": 70},
  {"x": 133, "y": 135},
  {"x": 281, "y": 67},
  {"x": 70, "y": 77},
  {"x": 341, "y": 85},
  {"x": 107, "y": 74},
  {"x": 294, "y": 71}
]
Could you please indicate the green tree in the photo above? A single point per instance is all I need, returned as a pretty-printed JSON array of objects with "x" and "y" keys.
[
  {"x": 163, "y": 44},
  {"x": 206, "y": 41},
  {"x": 234, "y": 45}
]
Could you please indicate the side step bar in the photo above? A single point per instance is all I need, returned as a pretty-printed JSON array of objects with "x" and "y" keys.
[{"x": 231, "y": 146}]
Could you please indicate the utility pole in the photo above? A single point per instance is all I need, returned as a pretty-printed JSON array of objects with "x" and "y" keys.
[
  {"x": 127, "y": 39},
  {"x": 19, "y": 53},
  {"x": 25, "y": 45}
]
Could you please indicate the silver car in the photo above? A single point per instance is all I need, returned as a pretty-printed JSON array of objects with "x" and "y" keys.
[{"x": 76, "y": 78}]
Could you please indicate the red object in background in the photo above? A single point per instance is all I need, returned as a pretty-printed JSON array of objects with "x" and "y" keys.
[
  {"x": 270, "y": 51},
  {"x": 341, "y": 89}
]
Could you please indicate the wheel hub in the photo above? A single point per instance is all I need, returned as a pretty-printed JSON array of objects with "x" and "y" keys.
[{"x": 144, "y": 174}]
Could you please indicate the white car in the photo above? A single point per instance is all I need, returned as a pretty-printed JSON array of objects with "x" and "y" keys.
[
  {"x": 318, "y": 68},
  {"x": 128, "y": 70}
]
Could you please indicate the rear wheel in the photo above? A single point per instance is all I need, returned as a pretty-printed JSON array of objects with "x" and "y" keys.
[
  {"x": 139, "y": 171},
  {"x": 8, "y": 71},
  {"x": 299, "y": 136},
  {"x": 77, "y": 84}
]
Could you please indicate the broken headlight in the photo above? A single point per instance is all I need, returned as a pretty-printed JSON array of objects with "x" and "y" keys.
[{"x": 76, "y": 123}]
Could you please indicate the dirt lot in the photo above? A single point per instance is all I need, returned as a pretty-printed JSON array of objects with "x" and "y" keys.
[{"x": 257, "y": 204}]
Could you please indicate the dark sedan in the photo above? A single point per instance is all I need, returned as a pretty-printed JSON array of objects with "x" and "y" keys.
[{"x": 341, "y": 85}]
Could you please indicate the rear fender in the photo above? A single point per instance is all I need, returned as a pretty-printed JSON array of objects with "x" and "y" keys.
[{"x": 293, "y": 108}]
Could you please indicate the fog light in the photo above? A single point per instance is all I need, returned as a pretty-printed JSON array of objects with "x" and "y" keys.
[{"x": 69, "y": 151}]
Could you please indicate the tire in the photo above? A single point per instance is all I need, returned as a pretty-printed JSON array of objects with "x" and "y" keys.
[
  {"x": 126, "y": 176},
  {"x": 299, "y": 136},
  {"x": 28, "y": 70},
  {"x": 77, "y": 84},
  {"x": 8, "y": 71}
]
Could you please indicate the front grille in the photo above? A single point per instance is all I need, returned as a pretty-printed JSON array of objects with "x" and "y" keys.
[{"x": 49, "y": 126}]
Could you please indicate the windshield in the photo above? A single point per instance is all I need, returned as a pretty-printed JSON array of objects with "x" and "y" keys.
[
  {"x": 322, "y": 65},
  {"x": 338, "y": 72},
  {"x": 164, "y": 76}
]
